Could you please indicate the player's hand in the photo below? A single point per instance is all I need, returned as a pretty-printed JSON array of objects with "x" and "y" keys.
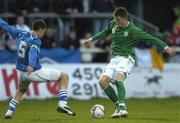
[
  {"x": 87, "y": 42},
  {"x": 170, "y": 51},
  {"x": 29, "y": 69}
]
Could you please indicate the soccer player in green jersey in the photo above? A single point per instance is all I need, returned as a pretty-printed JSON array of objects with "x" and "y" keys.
[{"x": 125, "y": 35}]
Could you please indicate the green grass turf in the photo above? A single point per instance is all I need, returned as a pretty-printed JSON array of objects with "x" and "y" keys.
[{"x": 140, "y": 111}]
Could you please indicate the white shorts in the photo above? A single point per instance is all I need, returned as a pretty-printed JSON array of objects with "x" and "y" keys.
[
  {"x": 42, "y": 75},
  {"x": 120, "y": 64}
]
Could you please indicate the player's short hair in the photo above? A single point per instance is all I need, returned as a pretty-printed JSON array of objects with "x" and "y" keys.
[
  {"x": 38, "y": 24},
  {"x": 121, "y": 11}
]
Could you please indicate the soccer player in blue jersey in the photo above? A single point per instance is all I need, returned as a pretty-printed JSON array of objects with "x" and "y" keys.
[{"x": 27, "y": 63}]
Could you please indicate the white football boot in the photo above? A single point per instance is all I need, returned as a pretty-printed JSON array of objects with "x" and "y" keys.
[
  {"x": 119, "y": 113},
  {"x": 66, "y": 110},
  {"x": 8, "y": 115}
]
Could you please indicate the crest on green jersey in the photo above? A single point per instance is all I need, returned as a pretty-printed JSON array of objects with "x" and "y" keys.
[{"x": 126, "y": 34}]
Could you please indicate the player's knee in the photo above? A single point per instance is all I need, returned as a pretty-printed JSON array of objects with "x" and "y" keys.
[
  {"x": 23, "y": 90},
  {"x": 104, "y": 82},
  {"x": 120, "y": 76},
  {"x": 64, "y": 76}
]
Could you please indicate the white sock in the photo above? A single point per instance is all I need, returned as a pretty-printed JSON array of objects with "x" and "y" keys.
[
  {"x": 62, "y": 97},
  {"x": 62, "y": 103},
  {"x": 12, "y": 106},
  {"x": 122, "y": 104},
  {"x": 9, "y": 112}
]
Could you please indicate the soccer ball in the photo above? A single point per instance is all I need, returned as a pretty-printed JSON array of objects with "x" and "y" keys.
[{"x": 97, "y": 111}]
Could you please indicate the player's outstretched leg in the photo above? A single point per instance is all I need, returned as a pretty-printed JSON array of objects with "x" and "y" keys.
[
  {"x": 120, "y": 108},
  {"x": 63, "y": 96},
  {"x": 13, "y": 104},
  {"x": 110, "y": 92},
  {"x": 23, "y": 85}
]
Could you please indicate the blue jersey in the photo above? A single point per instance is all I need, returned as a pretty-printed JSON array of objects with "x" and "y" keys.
[{"x": 28, "y": 47}]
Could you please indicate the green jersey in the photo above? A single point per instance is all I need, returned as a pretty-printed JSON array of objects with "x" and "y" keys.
[{"x": 124, "y": 39}]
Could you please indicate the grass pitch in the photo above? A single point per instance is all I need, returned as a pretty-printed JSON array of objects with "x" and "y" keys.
[{"x": 140, "y": 111}]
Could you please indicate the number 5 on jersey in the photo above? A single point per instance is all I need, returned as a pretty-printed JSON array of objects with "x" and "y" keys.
[{"x": 22, "y": 49}]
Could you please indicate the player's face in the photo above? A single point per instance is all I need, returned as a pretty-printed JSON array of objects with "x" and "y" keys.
[
  {"x": 41, "y": 32},
  {"x": 120, "y": 21}
]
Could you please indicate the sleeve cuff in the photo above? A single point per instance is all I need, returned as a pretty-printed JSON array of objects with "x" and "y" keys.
[
  {"x": 91, "y": 39},
  {"x": 31, "y": 66},
  {"x": 165, "y": 47}
]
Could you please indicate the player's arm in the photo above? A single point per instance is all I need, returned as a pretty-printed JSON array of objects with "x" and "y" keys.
[
  {"x": 100, "y": 35},
  {"x": 11, "y": 30},
  {"x": 32, "y": 55},
  {"x": 140, "y": 35}
]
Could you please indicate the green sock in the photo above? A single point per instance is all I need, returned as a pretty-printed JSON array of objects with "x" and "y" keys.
[
  {"x": 121, "y": 94},
  {"x": 111, "y": 93}
]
